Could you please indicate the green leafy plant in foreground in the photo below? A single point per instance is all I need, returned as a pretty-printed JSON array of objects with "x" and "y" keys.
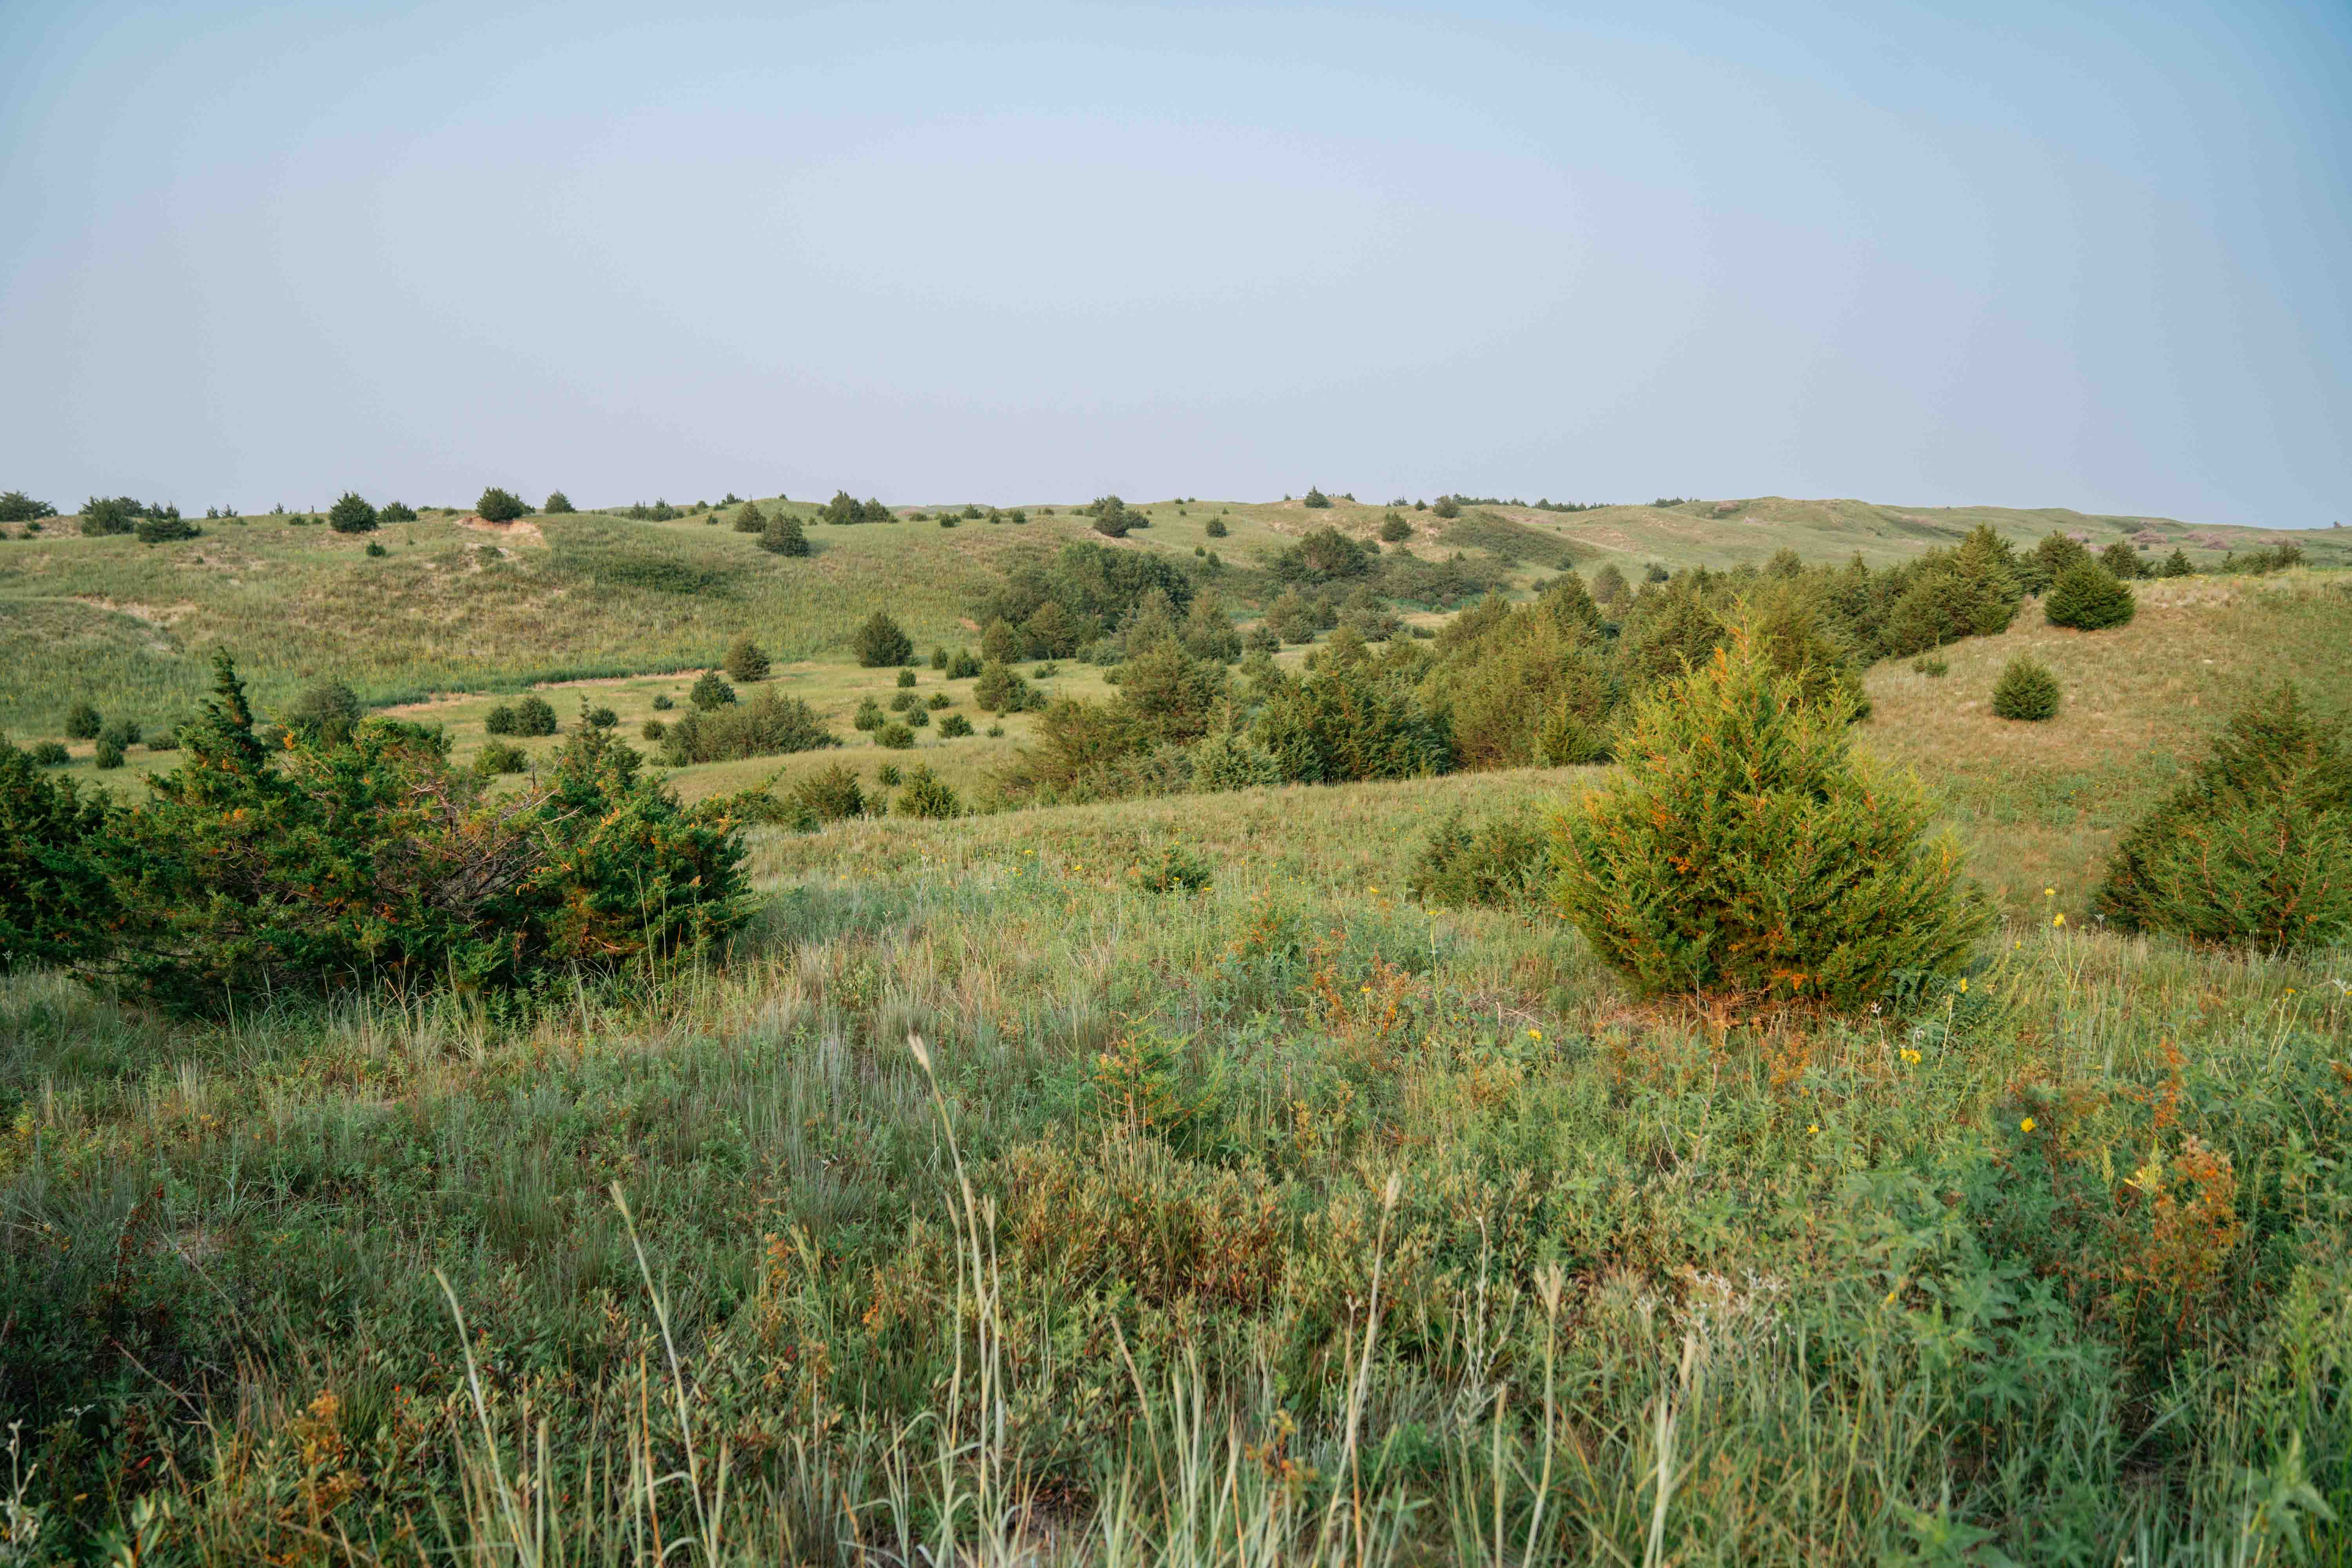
[
  {"x": 1747, "y": 850},
  {"x": 316, "y": 867}
]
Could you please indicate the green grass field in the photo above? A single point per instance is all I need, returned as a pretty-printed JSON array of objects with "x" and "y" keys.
[{"x": 1282, "y": 1222}]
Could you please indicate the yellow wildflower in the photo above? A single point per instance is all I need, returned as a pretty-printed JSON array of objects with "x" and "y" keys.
[
  {"x": 2058, "y": 919},
  {"x": 2026, "y": 1125}
]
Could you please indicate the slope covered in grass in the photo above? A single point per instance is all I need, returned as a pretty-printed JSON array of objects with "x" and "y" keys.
[
  {"x": 2052, "y": 1263},
  {"x": 452, "y": 608},
  {"x": 2041, "y": 804}
]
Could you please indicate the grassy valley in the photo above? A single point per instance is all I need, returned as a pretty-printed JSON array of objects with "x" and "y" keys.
[{"x": 1175, "y": 1178}]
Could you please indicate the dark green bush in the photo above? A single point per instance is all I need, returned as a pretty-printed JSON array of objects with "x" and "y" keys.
[
  {"x": 906, "y": 679},
  {"x": 902, "y": 700},
  {"x": 500, "y": 506},
  {"x": 2044, "y": 565},
  {"x": 375, "y": 549},
  {"x": 917, "y": 715},
  {"x": 2122, "y": 562},
  {"x": 2026, "y": 690},
  {"x": 881, "y": 645},
  {"x": 771, "y": 724},
  {"x": 2088, "y": 598},
  {"x": 57, "y": 904},
  {"x": 999, "y": 690},
  {"x": 325, "y": 713},
  {"x": 2257, "y": 848},
  {"x": 964, "y": 665},
  {"x": 1930, "y": 667},
  {"x": 996, "y": 732},
  {"x": 121, "y": 733},
  {"x": 1315, "y": 499},
  {"x": 499, "y": 721},
  {"x": 783, "y": 536},
  {"x": 252, "y": 874},
  {"x": 50, "y": 754},
  {"x": 663, "y": 702},
  {"x": 534, "y": 716},
  {"x": 939, "y": 658},
  {"x": 830, "y": 794},
  {"x": 501, "y": 757},
  {"x": 1216, "y": 528},
  {"x": 558, "y": 504},
  {"x": 1394, "y": 529},
  {"x": 869, "y": 715},
  {"x": 108, "y": 753},
  {"x": 15, "y": 506},
  {"x": 954, "y": 727},
  {"x": 927, "y": 795},
  {"x": 711, "y": 692},
  {"x": 889, "y": 776},
  {"x": 350, "y": 514},
  {"x": 1746, "y": 850},
  {"x": 938, "y": 700},
  {"x": 82, "y": 722},
  {"x": 1503, "y": 863},
  {"x": 166, "y": 530},
  {"x": 600, "y": 718},
  {"x": 746, "y": 660},
  {"x": 396, "y": 512},
  {"x": 751, "y": 518},
  {"x": 2176, "y": 565},
  {"x": 653, "y": 730},
  {"x": 897, "y": 737}
]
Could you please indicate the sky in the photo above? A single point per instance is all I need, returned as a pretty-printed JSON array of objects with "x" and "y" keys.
[{"x": 2089, "y": 255}]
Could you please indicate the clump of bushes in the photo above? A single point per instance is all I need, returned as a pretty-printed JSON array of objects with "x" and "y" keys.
[
  {"x": 771, "y": 724},
  {"x": 50, "y": 754},
  {"x": 829, "y": 795},
  {"x": 782, "y": 535},
  {"x": 1394, "y": 529},
  {"x": 501, "y": 757},
  {"x": 1746, "y": 850},
  {"x": 938, "y": 700},
  {"x": 927, "y": 795},
  {"x": 2087, "y": 597},
  {"x": 746, "y": 660},
  {"x": 901, "y": 701},
  {"x": 530, "y": 716},
  {"x": 57, "y": 902},
  {"x": 711, "y": 692},
  {"x": 252, "y": 872},
  {"x": 999, "y": 690},
  {"x": 166, "y": 530},
  {"x": 600, "y": 718},
  {"x": 653, "y": 730},
  {"x": 351, "y": 514},
  {"x": 965, "y": 664},
  {"x": 2257, "y": 848},
  {"x": 1216, "y": 528},
  {"x": 1501, "y": 864},
  {"x": 954, "y": 727},
  {"x": 83, "y": 722},
  {"x": 500, "y": 506},
  {"x": 1229, "y": 760},
  {"x": 2026, "y": 690},
  {"x": 896, "y": 737}
]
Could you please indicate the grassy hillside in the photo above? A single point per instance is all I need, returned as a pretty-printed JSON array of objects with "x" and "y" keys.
[
  {"x": 453, "y": 608},
  {"x": 2040, "y": 805},
  {"x": 1314, "y": 1226}
]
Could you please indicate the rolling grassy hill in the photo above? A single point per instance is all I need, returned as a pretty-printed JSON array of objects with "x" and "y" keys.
[
  {"x": 454, "y": 609},
  {"x": 2051, "y": 1266}
]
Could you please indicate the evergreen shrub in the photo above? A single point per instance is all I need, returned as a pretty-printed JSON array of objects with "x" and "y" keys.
[
  {"x": 710, "y": 691},
  {"x": 533, "y": 715},
  {"x": 2088, "y": 598},
  {"x": 2026, "y": 690},
  {"x": 1500, "y": 864},
  {"x": 927, "y": 795},
  {"x": 746, "y": 660},
  {"x": 1746, "y": 850},
  {"x": 954, "y": 727}
]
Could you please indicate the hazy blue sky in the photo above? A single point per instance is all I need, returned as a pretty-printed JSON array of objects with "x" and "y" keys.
[{"x": 2095, "y": 254}]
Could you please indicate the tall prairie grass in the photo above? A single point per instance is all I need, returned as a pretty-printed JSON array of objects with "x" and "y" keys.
[{"x": 1281, "y": 1222}]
